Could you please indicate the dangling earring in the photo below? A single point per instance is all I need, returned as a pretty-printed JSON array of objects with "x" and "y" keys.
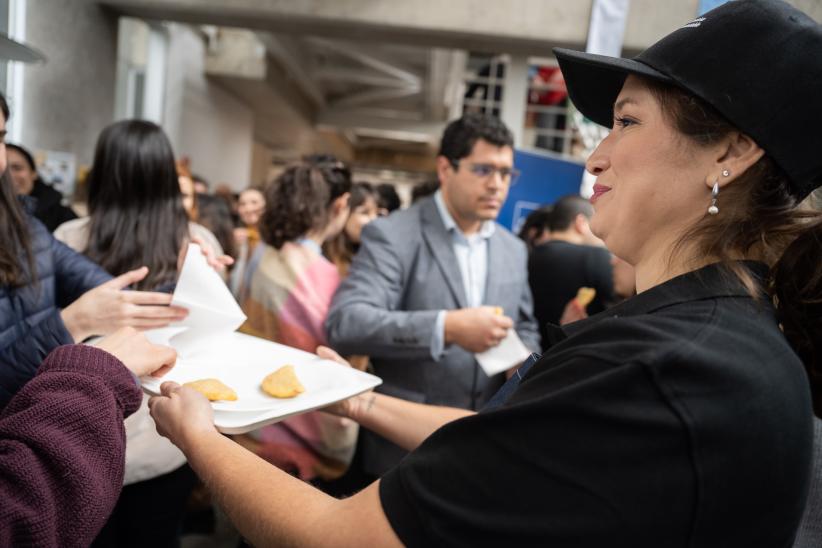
[{"x": 713, "y": 210}]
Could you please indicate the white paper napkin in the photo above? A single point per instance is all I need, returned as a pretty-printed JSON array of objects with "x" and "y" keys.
[
  {"x": 504, "y": 356},
  {"x": 212, "y": 309}
]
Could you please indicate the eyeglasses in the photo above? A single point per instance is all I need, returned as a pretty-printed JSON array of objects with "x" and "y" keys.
[{"x": 483, "y": 171}]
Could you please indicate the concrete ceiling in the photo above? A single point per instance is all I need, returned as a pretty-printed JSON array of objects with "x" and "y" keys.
[{"x": 381, "y": 74}]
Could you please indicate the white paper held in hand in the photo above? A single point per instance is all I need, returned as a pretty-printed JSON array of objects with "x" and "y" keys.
[
  {"x": 504, "y": 356},
  {"x": 211, "y": 308}
]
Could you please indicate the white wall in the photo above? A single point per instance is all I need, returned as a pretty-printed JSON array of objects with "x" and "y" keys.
[
  {"x": 203, "y": 121},
  {"x": 70, "y": 98}
]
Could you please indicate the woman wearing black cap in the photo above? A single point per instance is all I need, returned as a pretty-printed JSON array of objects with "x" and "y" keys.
[{"x": 681, "y": 417}]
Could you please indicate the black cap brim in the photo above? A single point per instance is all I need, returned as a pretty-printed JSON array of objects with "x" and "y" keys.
[{"x": 594, "y": 81}]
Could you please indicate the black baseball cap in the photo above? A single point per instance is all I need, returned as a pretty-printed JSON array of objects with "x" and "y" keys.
[{"x": 757, "y": 62}]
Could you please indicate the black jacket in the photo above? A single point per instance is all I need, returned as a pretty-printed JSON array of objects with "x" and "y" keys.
[{"x": 49, "y": 207}]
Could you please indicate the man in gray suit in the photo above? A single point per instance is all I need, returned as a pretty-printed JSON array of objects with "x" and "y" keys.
[{"x": 425, "y": 290}]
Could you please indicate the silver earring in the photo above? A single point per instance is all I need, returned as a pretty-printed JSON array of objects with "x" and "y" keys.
[
  {"x": 726, "y": 173},
  {"x": 713, "y": 210}
]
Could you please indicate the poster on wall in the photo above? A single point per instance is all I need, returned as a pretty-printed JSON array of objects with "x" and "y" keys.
[
  {"x": 544, "y": 179},
  {"x": 57, "y": 169}
]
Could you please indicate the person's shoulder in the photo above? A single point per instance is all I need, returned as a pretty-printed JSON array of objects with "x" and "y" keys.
[
  {"x": 74, "y": 224},
  {"x": 46, "y": 195},
  {"x": 74, "y": 233},
  {"x": 401, "y": 225}
]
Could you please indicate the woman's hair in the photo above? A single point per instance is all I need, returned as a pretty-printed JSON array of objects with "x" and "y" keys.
[
  {"x": 135, "y": 204},
  {"x": 298, "y": 201},
  {"x": 15, "y": 231},
  {"x": 341, "y": 249},
  {"x": 216, "y": 217},
  {"x": 184, "y": 171},
  {"x": 25, "y": 154},
  {"x": 759, "y": 219}
]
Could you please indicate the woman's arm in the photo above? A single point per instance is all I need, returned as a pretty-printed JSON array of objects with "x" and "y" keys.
[
  {"x": 400, "y": 421},
  {"x": 269, "y": 507}
]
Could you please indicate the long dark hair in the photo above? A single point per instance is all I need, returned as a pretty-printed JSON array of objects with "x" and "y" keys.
[
  {"x": 299, "y": 200},
  {"x": 759, "y": 219},
  {"x": 15, "y": 231},
  {"x": 214, "y": 214},
  {"x": 135, "y": 204}
]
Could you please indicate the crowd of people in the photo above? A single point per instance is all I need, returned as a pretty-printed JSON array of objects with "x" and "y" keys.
[{"x": 672, "y": 406}]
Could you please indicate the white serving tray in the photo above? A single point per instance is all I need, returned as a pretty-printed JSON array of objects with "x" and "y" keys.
[{"x": 242, "y": 361}]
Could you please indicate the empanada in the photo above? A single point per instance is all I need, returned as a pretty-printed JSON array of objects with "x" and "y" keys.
[
  {"x": 283, "y": 383},
  {"x": 213, "y": 389}
]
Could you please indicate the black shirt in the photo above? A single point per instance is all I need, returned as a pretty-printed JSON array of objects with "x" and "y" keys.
[
  {"x": 680, "y": 417},
  {"x": 556, "y": 271}
]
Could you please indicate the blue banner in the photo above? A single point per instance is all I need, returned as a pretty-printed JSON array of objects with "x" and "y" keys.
[
  {"x": 545, "y": 178},
  {"x": 708, "y": 5}
]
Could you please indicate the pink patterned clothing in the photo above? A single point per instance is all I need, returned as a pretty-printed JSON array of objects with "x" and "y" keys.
[{"x": 288, "y": 299}]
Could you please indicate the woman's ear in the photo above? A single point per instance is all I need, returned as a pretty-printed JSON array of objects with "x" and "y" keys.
[
  {"x": 736, "y": 154},
  {"x": 341, "y": 203}
]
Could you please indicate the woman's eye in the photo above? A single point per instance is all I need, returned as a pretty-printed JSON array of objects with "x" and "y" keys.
[{"x": 623, "y": 122}]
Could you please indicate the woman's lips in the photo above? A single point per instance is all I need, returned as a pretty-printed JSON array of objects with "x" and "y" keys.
[{"x": 599, "y": 190}]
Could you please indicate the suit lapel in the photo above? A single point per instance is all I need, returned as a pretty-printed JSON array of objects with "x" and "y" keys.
[{"x": 439, "y": 243}]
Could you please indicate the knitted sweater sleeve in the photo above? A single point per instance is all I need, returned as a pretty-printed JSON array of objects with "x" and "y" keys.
[{"x": 62, "y": 449}]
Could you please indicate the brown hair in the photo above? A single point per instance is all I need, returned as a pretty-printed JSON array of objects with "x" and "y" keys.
[
  {"x": 759, "y": 220},
  {"x": 15, "y": 229},
  {"x": 298, "y": 201}
]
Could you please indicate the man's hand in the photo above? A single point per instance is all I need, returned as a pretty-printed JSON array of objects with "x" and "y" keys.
[
  {"x": 182, "y": 414},
  {"x": 573, "y": 312},
  {"x": 476, "y": 329},
  {"x": 139, "y": 355},
  {"x": 107, "y": 307}
]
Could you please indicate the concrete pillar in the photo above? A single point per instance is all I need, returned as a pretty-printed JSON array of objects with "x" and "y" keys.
[{"x": 514, "y": 94}]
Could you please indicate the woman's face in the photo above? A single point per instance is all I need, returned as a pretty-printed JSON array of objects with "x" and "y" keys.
[
  {"x": 22, "y": 176},
  {"x": 651, "y": 181},
  {"x": 250, "y": 207},
  {"x": 187, "y": 190},
  {"x": 359, "y": 217}
]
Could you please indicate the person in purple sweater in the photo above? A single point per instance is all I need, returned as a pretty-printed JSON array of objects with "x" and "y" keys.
[{"x": 62, "y": 440}]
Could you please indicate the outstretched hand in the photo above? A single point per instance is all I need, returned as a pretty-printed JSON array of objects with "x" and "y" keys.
[
  {"x": 217, "y": 262},
  {"x": 107, "y": 307},
  {"x": 137, "y": 353}
]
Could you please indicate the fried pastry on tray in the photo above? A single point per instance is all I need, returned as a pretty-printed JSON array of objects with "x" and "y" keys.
[
  {"x": 283, "y": 383},
  {"x": 213, "y": 389}
]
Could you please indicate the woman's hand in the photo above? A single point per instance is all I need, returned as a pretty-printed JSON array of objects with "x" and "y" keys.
[
  {"x": 217, "y": 262},
  {"x": 137, "y": 353},
  {"x": 350, "y": 407},
  {"x": 107, "y": 307},
  {"x": 181, "y": 414},
  {"x": 573, "y": 312}
]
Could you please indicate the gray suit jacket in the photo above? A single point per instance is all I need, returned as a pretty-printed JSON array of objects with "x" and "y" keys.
[{"x": 404, "y": 273}]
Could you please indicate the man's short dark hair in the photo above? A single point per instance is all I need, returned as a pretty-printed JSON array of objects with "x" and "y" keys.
[
  {"x": 566, "y": 210},
  {"x": 461, "y": 135}
]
